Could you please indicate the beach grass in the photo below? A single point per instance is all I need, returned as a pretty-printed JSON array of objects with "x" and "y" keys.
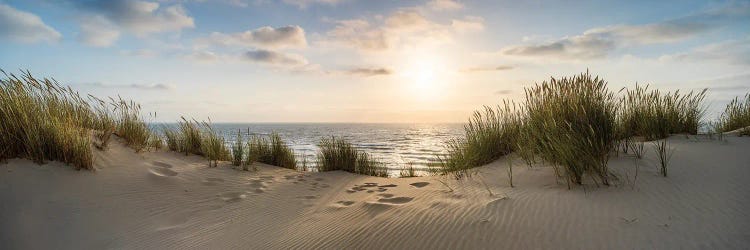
[
  {"x": 213, "y": 146},
  {"x": 655, "y": 115},
  {"x": 271, "y": 150},
  {"x": 736, "y": 115},
  {"x": 43, "y": 121},
  {"x": 130, "y": 125},
  {"x": 339, "y": 154},
  {"x": 238, "y": 150},
  {"x": 490, "y": 134}
]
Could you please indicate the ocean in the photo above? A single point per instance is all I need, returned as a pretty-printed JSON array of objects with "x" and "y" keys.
[{"x": 396, "y": 145}]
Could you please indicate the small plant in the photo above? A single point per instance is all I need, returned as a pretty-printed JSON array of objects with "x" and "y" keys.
[
  {"x": 238, "y": 150},
  {"x": 510, "y": 171},
  {"x": 664, "y": 153},
  {"x": 154, "y": 142},
  {"x": 637, "y": 148},
  {"x": 338, "y": 154},
  {"x": 213, "y": 147},
  {"x": 408, "y": 171},
  {"x": 736, "y": 116},
  {"x": 272, "y": 151}
]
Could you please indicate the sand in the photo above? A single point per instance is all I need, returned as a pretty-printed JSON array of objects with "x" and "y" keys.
[{"x": 164, "y": 200}]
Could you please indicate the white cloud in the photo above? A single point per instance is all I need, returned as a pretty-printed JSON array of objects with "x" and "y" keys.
[
  {"x": 405, "y": 27},
  {"x": 142, "y": 17},
  {"x": 445, "y": 5},
  {"x": 25, "y": 27},
  {"x": 468, "y": 24},
  {"x": 599, "y": 42},
  {"x": 266, "y": 37},
  {"x": 368, "y": 71},
  {"x": 97, "y": 31},
  {"x": 730, "y": 52},
  {"x": 159, "y": 86}
]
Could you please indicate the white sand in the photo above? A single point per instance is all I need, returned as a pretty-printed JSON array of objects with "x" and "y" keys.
[{"x": 166, "y": 200}]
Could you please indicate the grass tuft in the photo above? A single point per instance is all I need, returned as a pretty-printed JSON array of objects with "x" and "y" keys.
[
  {"x": 272, "y": 150},
  {"x": 736, "y": 115},
  {"x": 339, "y": 154}
]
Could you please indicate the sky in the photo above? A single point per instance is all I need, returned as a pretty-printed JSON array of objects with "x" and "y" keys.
[{"x": 369, "y": 60}]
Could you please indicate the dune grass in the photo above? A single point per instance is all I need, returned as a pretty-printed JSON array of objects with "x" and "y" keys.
[
  {"x": 272, "y": 150},
  {"x": 213, "y": 146},
  {"x": 42, "y": 121},
  {"x": 571, "y": 123},
  {"x": 736, "y": 115},
  {"x": 490, "y": 134},
  {"x": 339, "y": 154},
  {"x": 130, "y": 125},
  {"x": 653, "y": 114},
  {"x": 238, "y": 150}
]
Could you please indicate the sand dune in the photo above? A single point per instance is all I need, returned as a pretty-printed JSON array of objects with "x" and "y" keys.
[{"x": 164, "y": 200}]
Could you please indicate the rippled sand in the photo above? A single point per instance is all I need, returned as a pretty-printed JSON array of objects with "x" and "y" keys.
[{"x": 165, "y": 200}]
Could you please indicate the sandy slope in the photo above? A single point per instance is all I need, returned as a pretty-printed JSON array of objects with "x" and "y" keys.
[{"x": 165, "y": 200}]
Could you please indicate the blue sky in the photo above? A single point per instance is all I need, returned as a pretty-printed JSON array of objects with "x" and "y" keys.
[{"x": 369, "y": 61}]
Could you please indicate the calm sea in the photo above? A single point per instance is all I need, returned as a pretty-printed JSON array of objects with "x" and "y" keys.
[{"x": 394, "y": 144}]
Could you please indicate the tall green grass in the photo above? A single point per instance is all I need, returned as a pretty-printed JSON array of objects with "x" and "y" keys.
[
  {"x": 490, "y": 134},
  {"x": 238, "y": 150},
  {"x": 130, "y": 125},
  {"x": 653, "y": 114},
  {"x": 736, "y": 115},
  {"x": 272, "y": 150},
  {"x": 571, "y": 123},
  {"x": 339, "y": 154},
  {"x": 213, "y": 146},
  {"x": 43, "y": 121}
]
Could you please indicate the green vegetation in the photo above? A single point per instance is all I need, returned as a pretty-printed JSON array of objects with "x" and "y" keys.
[
  {"x": 213, "y": 146},
  {"x": 339, "y": 154},
  {"x": 199, "y": 138},
  {"x": 490, "y": 134},
  {"x": 42, "y": 121},
  {"x": 574, "y": 124},
  {"x": 655, "y": 115},
  {"x": 736, "y": 116},
  {"x": 664, "y": 153},
  {"x": 272, "y": 151},
  {"x": 571, "y": 123},
  {"x": 238, "y": 150},
  {"x": 408, "y": 171}
]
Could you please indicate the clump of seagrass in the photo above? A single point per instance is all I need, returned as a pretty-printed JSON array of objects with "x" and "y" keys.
[
  {"x": 339, "y": 154},
  {"x": 490, "y": 134},
  {"x": 42, "y": 121},
  {"x": 271, "y": 150},
  {"x": 655, "y": 115},
  {"x": 736, "y": 116},
  {"x": 238, "y": 151},
  {"x": 571, "y": 123},
  {"x": 199, "y": 138}
]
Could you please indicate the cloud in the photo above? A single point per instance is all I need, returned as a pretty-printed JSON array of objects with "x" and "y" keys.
[
  {"x": 142, "y": 17},
  {"x": 134, "y": 86},
  {"x": 25, "y": 27},
  {"x": 304, "y": 3},
  {"x": 403, "y": 27},
  {"x": 484, "y": 69},
  {"x": 469, "y": 24},
  {"x": 97, "y": 31},
  {"x": 369, "y": 71},
  {"x": 266, "y": 37},
  {"x": 599, "y": 42},
  {"x": 274, "y": 58},
  {"x": 445, "y": 5},
  {"x": 730, "y": 52}
]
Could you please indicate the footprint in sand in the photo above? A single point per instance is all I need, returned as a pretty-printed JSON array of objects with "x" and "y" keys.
[
  {"x": 162, "y": 164},
  {"x": 370, "y": 184},
  {"x": 319, "y": 179},
  {"x": 420, "y": 184},
  {"x": 324, "y": 186},
  {"x": 345, "y": 203},
  {"x": 388, "y": 186},
  {"x": 396, "y": 200},
  {"x": 386, "y": 195},
  {"x": 162, "y": 172},
  {"x": 233, "y": 196},
  {"x": 256, "y": 184}
]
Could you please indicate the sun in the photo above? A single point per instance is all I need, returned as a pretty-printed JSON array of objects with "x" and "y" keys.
[{"x": 425, "y": 76}]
